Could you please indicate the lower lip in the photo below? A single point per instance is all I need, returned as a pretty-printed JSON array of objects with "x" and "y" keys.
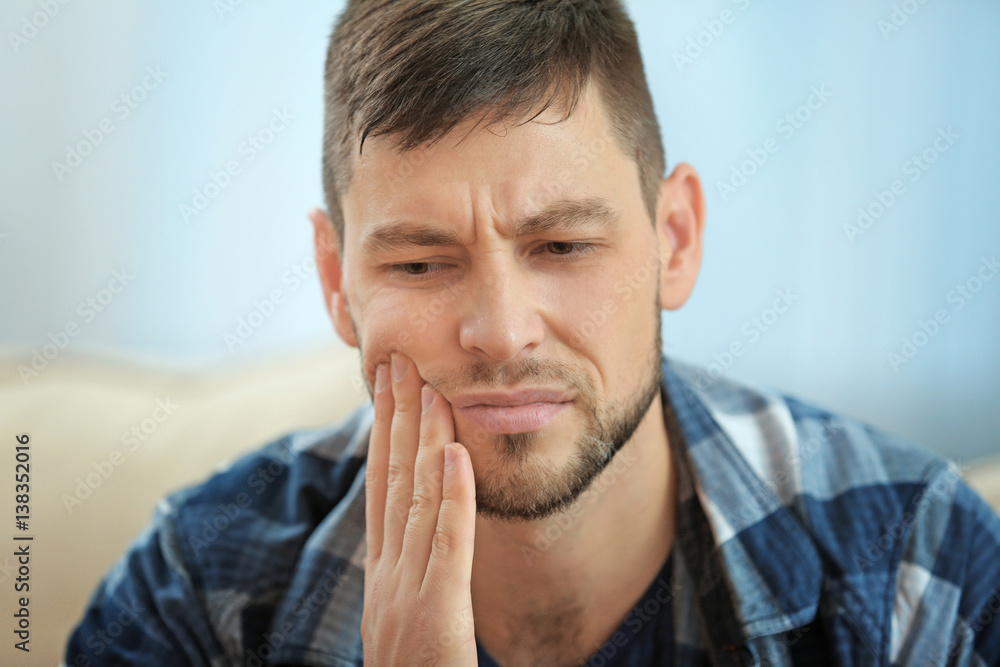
[{"x": 513, "y": 418}]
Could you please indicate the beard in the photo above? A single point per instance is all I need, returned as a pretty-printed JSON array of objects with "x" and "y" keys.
[{"x": 519, "y": 485}]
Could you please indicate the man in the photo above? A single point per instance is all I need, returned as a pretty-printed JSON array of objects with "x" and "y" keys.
[{"x": 534, "y": 483}]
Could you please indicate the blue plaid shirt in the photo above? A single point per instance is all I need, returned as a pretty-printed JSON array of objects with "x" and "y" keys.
[{"x": 803, "y": 538}]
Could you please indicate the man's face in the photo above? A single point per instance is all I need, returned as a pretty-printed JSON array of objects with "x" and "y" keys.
[{"x": 447, "y": 260}]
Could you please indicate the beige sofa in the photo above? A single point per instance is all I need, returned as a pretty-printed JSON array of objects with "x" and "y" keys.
[{"x": 169, "y": 428}]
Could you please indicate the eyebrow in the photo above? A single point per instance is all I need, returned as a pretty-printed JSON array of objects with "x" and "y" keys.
[{"x": 561, "y": 215}]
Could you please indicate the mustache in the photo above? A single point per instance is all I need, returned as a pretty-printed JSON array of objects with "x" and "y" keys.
[{"x": 483, "y": 375}]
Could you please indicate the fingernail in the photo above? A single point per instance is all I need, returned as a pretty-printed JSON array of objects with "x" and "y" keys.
[
  {"x": 381, "y": 378},
  {"x": 450, "y": 454},
  {"x": 399, "y": 367},
  {"x": 426, "y": 398}
]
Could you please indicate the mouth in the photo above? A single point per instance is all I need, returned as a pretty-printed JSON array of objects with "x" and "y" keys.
[
  {"x": 498, "y": 419},
  {"x": 516, "y": 411}
]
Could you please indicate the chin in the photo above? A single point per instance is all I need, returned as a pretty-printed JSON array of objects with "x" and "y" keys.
[{"x": 552, "y": 443}]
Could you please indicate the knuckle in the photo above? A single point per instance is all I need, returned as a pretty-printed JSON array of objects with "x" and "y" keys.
[
  {"x": 444, "y": 543},
  {"x": 421, "y": 504},
  {"x": 371, "y": 476},
  {"x": 397, "y": 472},
  {"x": 404, "y": 404},
  {"x": 401, "y": 513},
  {"x": 397, "y": 508}
]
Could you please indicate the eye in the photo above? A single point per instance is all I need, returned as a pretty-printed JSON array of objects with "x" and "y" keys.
[
  {"x": 415, "y": 269},
  {"x": 566, "y": 248}
]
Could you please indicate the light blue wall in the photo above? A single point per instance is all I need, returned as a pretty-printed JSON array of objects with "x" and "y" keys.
[{"x": 783, "y": 229}]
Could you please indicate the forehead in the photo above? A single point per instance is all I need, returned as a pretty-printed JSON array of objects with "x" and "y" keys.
[{"x": 507, "y": 170}]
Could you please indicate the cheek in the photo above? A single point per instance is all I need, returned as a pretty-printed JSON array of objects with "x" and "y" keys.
[
  {"x": 610, "y": 317},
  {"x": 383, "y": 331},
  {"x": 594, "y": 310},
  {"x": 413, "y": 326}
]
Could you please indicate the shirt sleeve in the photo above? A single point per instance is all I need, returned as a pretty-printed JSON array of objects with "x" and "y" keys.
[
  {"x": 145, "y": 611},
  {"x": 947, "y": 596}
]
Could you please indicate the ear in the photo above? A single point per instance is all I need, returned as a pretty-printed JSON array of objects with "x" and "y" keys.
[
  {"x": 680, "y": 220},
  {"x": 328, "y": 265}
]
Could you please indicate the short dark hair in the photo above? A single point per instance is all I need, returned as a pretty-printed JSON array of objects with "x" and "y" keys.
[{"x": 415, "y": 69}]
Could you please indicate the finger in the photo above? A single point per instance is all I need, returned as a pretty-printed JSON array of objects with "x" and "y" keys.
[
  {"x": 377, "y": 464},
  {"x": 404, "y": 437},
  {"x": 449, "y": 568},
  {"x": 437, "y": 428}
]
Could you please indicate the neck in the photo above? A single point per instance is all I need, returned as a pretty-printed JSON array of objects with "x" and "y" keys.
[{"x": 591, "y": 562}]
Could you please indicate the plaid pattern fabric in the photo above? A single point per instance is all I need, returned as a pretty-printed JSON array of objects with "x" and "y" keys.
[{"x": 803, "y": 537}]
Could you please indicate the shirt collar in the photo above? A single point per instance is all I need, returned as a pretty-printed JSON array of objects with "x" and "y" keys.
[{"x": 754, "y": 567}]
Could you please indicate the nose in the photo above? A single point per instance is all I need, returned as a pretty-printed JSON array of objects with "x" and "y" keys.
[{"x": 502, "y": 321}]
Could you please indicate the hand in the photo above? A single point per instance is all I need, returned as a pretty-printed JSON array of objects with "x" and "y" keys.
[{"x": 420, "y": 513}]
